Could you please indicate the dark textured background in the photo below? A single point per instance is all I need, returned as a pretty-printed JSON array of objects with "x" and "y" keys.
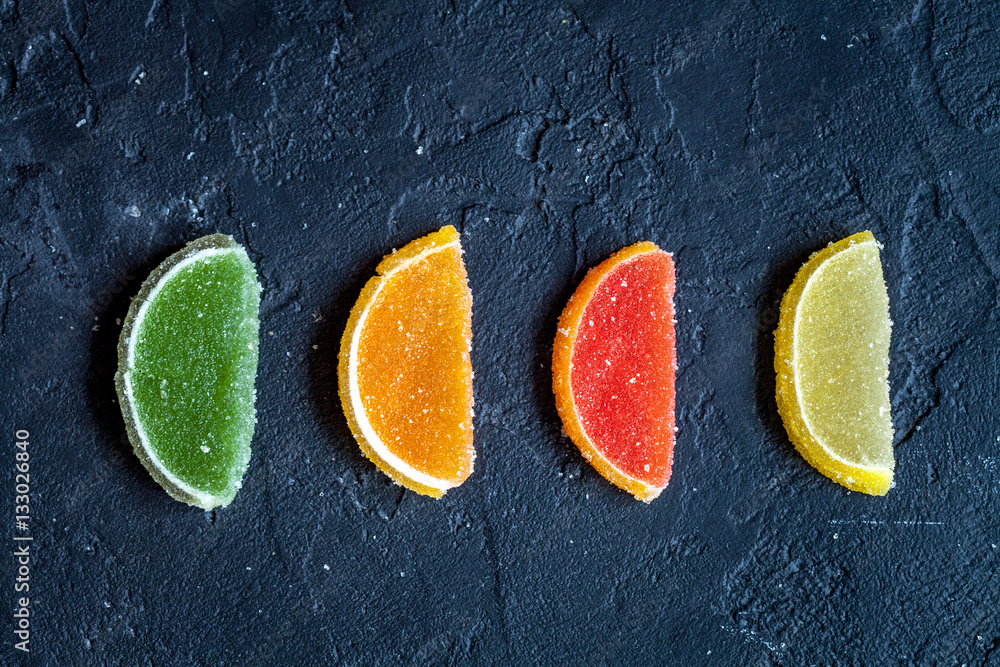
[{"x": 741, "y": 137}]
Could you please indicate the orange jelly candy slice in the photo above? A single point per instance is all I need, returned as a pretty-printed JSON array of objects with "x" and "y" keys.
[
  {"x": 614, "y": 364},
  {"x": 405, "y": 370}
]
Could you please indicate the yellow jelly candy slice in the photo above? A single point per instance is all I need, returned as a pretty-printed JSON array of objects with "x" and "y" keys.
[{"x": 832, "y": 365}]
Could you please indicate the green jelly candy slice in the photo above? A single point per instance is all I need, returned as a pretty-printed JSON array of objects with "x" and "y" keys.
[{"x": 187, "y": 359}]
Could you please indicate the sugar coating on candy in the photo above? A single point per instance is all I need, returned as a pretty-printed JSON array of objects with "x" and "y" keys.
[
  {"x": 187, "y": 364},
  {"x": 832, "y": 363},
  {"x": 614, "y": 367},
  {"x": 838, "y": 375},
  {"x": 623, "y": 368},
  {"x": 405, "y": 366}
]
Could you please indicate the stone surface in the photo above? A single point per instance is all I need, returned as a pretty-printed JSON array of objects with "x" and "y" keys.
[{"x": 739, "y": 136}]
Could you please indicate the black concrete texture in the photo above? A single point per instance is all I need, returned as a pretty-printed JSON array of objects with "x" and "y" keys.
[{"x": 740, "y": 136}]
